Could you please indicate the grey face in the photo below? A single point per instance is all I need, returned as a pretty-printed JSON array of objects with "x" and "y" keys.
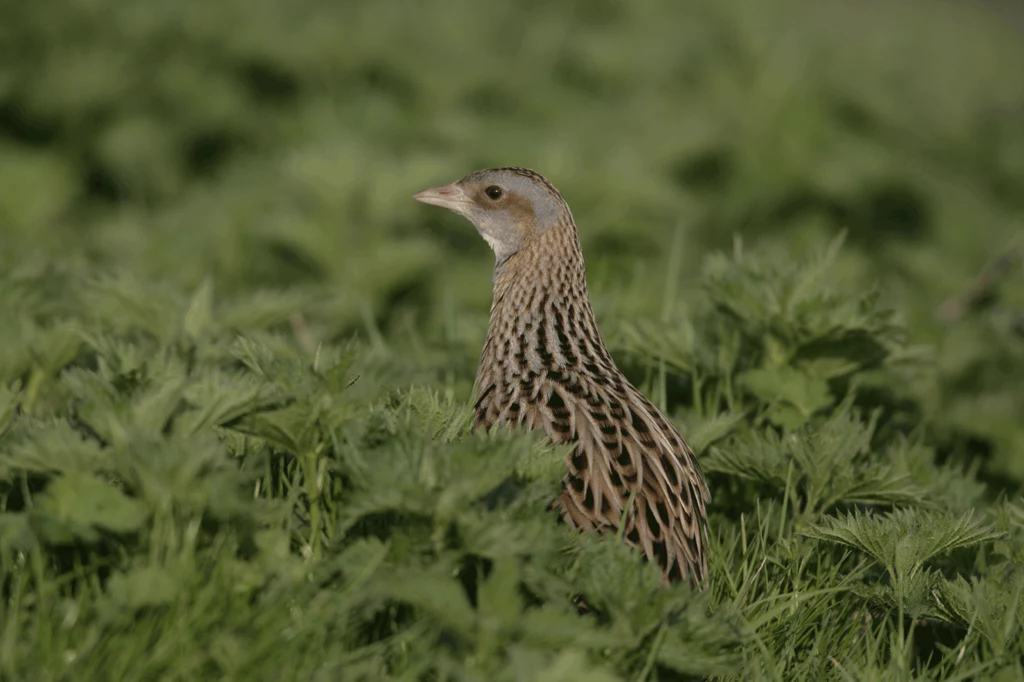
[{"x": 507, "y": 208}]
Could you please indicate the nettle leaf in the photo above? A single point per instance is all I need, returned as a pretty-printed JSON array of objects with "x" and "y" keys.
[
  {"x": 198, "y": 318},
  {"x": 568, "y": 666},
  {"x": 523, "y": 528},
  {"x": 262, "y": 309},
  {"x": 498, "y": 596},
  {"x": 287, "y": 429},
  {"x": 792, "y": 395},
  {"x": 904, "y": 540},
  {"x": 75, "y": 506},
  {"x": 124, "y": 303},
  {"x": 675, "y": 622},
  {"x": 675, "y": 342},
  {"x": 57, "y": 346},
  {"x": 94, "y": 396},
  {"x": 700, "y": 646},
  {"x": 438, "y": 595},
  {"x": 291, "y": 373},
  {"x": 470, "y": 489},
  {"x": 913, "y": 595},
  {"x": 542, "y": 460},
  {"x": 219, "y": 397},
  {"x": 957, "y": 488},
  {"x": 55, "y": 446},
  {"x": 258, "y": 357},
  {"x": 704, "y": 344},
  {"x": 551, "y": 626},
  {"x": 16, "y": 533},
  {"x": 190, "y": 474},
  {"x": 141, "y": 588},
  {"x": 360, "y": 562},
  {"x": 792, "y": 299},
  {"x": 836, "y": 458},
  {"x": 841, "y": 353},
  {"x": 444, "y": 420},
  {"x": 476, "y": 478},
  {"x": 421, "y": 413},
  {"x": 15, "y": 351},
  {"x": 955, "y": 600},
  {"x": 9, "y": 401},
  {"x": 993, "y": 605},
  {"x": 314, "y": 410},
  {"x": 113, "y": 402},
  {"x": 152, "y": 410},
  {"x": 753, "y": 456},
  {"x": 420, "y": 479},
  {"x": 821, "y": 467},
  {"x": 118, "y": 359},
  {"x": 703, "y": 433},
  {"x": 616, "y": 579},
  {"x": 1010, "y": 516},
  {"x": 464, "y": 473}
]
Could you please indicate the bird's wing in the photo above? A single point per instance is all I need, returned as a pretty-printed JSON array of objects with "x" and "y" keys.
[{"x": 627, "y": 448}]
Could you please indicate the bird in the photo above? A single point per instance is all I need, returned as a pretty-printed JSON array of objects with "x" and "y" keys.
[{"x": 544, "y": 365}]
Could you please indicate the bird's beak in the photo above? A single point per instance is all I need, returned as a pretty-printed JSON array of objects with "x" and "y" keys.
[{"x": 452, "y": 197}]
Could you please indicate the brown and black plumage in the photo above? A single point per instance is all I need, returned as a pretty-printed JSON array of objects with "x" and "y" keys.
[{"x": 545, "y": 366}]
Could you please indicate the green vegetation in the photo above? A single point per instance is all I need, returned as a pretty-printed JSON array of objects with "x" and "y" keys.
[{"x": 236, "y": 357}]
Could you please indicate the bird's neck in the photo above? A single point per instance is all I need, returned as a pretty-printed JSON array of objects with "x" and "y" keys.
[
  {"x": 549, "y": 272},
  {"x": 540, "y": 305}
]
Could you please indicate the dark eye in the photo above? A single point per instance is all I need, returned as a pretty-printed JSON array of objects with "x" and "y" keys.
[{"x": 493, "y": 192}]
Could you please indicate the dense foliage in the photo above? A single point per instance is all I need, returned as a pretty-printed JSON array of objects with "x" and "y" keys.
[{"x": 236, "y": 358}]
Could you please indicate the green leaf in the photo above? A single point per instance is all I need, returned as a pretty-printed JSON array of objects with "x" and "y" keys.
[
  {"x": 361, "y": 561},
  {"x": 824, "y": 465},
  {"x": 143, "y": 587},
  {"x": 58, "y": 346},
  {"x": 74, "y": 505},
  {"x": 256, "y": 356},
  {"x": 199, "y": 314},
  {"x": 702, "y": 434},
  {"x": 572, "y": 665},
  {"x": 499, "y": 595},
  {"x": 262, "y": 309},
  {"x": 284, "y": 429},
  {"x": 16, "y": 533},
  {"x": 542, "y": 461},
  {"x": 152, "y": 410},
  {"x": 9, "y": 400},
  {"x": 219, "y": 398},
  {"x": 438, "y": 596},
  {"x": 801, "y": 395},
  {"x": 55, "y": 446},
  {"x": 993, "y": 605},
  {"x": 786, "y": 416},
  {"x": 905, "y": 539}
]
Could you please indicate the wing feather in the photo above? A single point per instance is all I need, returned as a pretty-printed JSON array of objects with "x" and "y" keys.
[{"x": 625, "y": 447}]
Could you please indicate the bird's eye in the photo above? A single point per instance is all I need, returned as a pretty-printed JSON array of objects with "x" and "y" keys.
[{"x": 493, "y": 192}]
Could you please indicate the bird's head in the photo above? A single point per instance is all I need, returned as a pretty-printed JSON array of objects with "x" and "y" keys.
[{"x": 510, "y": 207}]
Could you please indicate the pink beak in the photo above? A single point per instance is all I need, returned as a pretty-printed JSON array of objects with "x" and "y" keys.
[{"x": 450, "y": 196}]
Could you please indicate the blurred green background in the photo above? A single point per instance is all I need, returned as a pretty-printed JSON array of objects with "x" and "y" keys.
[
  {"x": 276, "y": 144},
  {"x": 196, "y": 197}
]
